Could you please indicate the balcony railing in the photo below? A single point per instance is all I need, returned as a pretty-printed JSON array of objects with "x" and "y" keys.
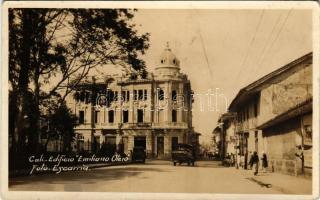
[
  {"x": 174, "y": 125},
  {"x": 242, "y": 126},
  {"x": 138, "y": 125},
  {"x": 246, "y": 125}
]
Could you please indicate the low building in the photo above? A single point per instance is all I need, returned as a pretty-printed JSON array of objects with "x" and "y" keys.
[
  {"x": 274, "y": 116},
  {"x": 225, "y": 139},
  {"x": 125, "y": 111}
]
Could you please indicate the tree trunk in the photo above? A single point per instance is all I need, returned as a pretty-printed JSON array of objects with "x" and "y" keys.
[{"x": 23, "y": 82}]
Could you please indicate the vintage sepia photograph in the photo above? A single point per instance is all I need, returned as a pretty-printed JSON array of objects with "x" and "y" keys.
[{"x": 179, "y": 98}]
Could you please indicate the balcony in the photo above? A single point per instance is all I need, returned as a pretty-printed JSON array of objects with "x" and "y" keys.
[
  {"x": 142, "y": 125},
  {"x": 242, "y": 126},
  {"x": 170, "y": 125},
  {"x": 107, "y": 125},
  {"x": 135, "y": 125}
]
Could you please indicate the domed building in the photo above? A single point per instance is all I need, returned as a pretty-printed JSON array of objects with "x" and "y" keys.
[{"x": 123, "y": 112}]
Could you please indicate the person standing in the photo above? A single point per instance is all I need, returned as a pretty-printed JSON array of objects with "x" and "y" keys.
[
  {"x": 250, "y": 160},
  {"x": 255, "y": 162},
  {"x": 264, "y": 160}
]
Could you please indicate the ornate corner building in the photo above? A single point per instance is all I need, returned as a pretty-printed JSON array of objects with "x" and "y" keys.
[{"x": 118, "y": 113}]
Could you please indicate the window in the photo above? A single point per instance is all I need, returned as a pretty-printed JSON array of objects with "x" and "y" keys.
[
  {"x": 174, "y": 116},
  {"x": 87, "y": 97},
  {"x": 135, "y": 95},
  {"x": 140, "y": 94},
  {"x": 125, "y": 116},
  {"x": 145, "y": 96},
  {"x": 123, "y": 95},
  {"x": 110, "y": 140},
  {"x": 111, "y": 96},
  {"x": 256, "y": 109},
  {"x": 111, "y": 116},
  {"x": 81, "y": 117},
  {"x": 160, "y": 94},
  {"x": 128, "y": 96},
  {"x": 174, "y": 61},
  {"x": 116, "y": 96},
  {"x": 96, "y": 116},
  {"x": 82, "y": 96},
  {"x": 174, "y": 95},
  {"x": 140, "y": 115}
]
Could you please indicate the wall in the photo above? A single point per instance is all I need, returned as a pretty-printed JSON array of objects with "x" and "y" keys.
[
  {"x": 286, "y": 92},
  {"x": 282, "y": 141}
]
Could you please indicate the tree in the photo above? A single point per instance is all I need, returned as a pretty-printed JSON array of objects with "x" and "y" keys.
[
  {"x": 52, "y": 50},
  {"x": 59, "y": 124}
]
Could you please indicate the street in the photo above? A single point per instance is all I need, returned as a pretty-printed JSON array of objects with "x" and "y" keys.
[{"x": 154, "y": 176}]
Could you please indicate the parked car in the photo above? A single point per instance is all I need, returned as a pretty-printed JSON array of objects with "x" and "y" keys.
[
  {"x": 138, "y": 155},
  {"x": 183, "y": 153}
]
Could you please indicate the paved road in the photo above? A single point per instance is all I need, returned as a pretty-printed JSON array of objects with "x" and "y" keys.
[{"x": 154, "y": 176}]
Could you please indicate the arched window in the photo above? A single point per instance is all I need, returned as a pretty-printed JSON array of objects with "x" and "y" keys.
[
  {"x": 77, "y": 96},
  {"x": 174, "y": 116},
  {"x": 160, "y": 94},
  {"x": 82, "y": 96},
  {"x": 174, "y": 95}
]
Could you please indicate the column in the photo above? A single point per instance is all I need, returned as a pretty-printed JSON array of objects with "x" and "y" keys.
[
  {"x": 154, "y": 136},
  {"x": 169, "y": 107},
  {"x": 118, "y": 140},
  {"x": 167, "y": 150},
  {"x": 180, "y": 110},
  {"x": 130, "y": 143},
  {"x": 149, "y": 144}
]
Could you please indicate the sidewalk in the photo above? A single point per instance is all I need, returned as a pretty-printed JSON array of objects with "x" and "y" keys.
[{"x": 281, "y": 182}]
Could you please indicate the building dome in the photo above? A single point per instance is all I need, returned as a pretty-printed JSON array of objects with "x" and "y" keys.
[
  {"x": 168, "y": 59},
  {"x": 167, "y": 65}
]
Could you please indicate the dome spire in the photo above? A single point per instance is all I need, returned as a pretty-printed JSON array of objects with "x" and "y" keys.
[{"x": 167, "y": 46}]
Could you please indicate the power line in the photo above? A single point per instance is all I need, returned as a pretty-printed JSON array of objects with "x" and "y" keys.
[
  {"x": 204, "y": 50},
  {"x": 267, "y": 43},
  {"x": 251, "y": 43},
  {"x": 276, "y": 38}
]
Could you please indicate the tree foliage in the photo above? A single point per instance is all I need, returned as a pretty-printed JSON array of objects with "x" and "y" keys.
[{"x": 52, "y": 50}]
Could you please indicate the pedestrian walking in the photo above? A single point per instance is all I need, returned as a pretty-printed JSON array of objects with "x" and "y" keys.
[
  {"x": 238, "y": 158},
  {"x": 255, "y": 162},
  {"x": 250, "y": 160},
  {"x": 264, "y": 160}
]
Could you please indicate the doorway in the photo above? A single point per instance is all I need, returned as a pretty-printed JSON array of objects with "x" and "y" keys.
[
  {"x": 140, "y": 141},
  {"x": 160, "y": 146},
  {"x": 174, "y": 143}
]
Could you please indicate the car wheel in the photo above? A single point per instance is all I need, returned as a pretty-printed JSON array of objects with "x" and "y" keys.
[
  {"x": 188, "y": 163},
  {"x": 174, "y": 163},
  {"x": 192, "y": 163}
]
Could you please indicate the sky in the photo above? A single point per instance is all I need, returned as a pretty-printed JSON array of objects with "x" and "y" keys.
[{"x": 225, "y": 50}]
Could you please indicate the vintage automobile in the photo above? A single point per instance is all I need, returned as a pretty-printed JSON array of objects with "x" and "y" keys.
[
  {"x": 138, "y": 154},
  {"x": 183, "y": 153}
]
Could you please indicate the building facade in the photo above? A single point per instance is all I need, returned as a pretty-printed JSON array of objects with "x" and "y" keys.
[
  {"x": 225, "y": 138},
  {"x": 274, "y": 116},
  {"x": 126, "y": 111}
]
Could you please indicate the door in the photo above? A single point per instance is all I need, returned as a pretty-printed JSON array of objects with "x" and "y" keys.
[
  {"x": 140, "y": 141},
  {"x": 174, "y": 143},
  {"x": 160, "y": 146}
]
